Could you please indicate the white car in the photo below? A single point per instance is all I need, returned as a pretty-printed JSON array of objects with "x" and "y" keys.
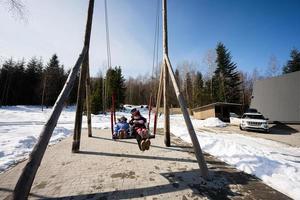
[{"x": 254, "y": 121}]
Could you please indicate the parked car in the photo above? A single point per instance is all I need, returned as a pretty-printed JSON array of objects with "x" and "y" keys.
[{"x": 254, "y": 121}]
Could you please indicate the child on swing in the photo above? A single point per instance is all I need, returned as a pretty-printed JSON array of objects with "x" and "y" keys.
[
  {"x": 121, "y": 128},
  {"x": 139, "y": 129}
]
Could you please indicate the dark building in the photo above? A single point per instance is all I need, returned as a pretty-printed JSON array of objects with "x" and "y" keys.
[
  {"x": 278, "y": 98},
  {"x": 220, "y": 110}
]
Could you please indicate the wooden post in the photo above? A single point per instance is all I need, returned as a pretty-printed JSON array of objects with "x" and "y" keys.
[
  {"x": 188, "y": 122},
  {"x": 169, "y": 71},
  {"x": 166, "y": 108},
  {"x": 160, "y": 87},
  {"x": 88, "y": 100},
  {"x": 82, "y": 80},
  {"x": 166, "y": 76},
  {"x": 26, "y": 179},
  {"x": 158, "y": 100}
]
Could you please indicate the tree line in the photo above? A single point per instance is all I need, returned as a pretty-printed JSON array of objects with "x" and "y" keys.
[
  {"x": 222, "y": 82},
  {"x": 35, "y": 83},
  {"x": 32, "y": 83}
]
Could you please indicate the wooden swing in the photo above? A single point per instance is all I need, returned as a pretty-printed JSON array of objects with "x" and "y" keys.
[{"x": 114, "y": 121}]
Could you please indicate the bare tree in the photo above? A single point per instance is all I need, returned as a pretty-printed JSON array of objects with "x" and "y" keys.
[
  {"x": 15, "y": 6},
  {"x": 210, "y": 60},
  {"x": 273, "y": 68}
]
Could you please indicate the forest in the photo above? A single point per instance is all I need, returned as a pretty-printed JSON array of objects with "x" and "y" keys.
[{"x": 36, "y": 83}]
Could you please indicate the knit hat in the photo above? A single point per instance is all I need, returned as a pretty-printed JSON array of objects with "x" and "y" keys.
[{"x": 122, "y": 119}]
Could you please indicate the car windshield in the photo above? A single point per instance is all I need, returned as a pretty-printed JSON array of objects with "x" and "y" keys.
[{"x": 253, "y": 117}]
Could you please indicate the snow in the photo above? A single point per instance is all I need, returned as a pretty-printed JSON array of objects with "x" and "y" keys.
[
  {"x": 209, "y": 122},
  {"x": 20, "y": 127},
  {"x": 276, "y": 164}
]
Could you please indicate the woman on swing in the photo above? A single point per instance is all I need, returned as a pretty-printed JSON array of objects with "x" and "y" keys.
[{"x": 139, "y": 130}]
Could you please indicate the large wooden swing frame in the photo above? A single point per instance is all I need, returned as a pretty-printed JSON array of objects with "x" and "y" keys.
[{"x": 23, "y": 186}]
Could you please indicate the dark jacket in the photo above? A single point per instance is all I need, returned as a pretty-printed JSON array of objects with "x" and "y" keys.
[{"x": 138, "y": 122}]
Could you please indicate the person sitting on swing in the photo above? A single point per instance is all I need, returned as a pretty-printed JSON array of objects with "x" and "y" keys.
[
  {"x": 139, "y": 129},
  {"x": 121, "y": 128}
]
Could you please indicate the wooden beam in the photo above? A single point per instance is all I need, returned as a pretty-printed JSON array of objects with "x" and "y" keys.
[
  {"x": 160, "y": 88},
  {"x": 88, "y": 100},
  {"x": 188, "y": 122},
  {"x": 82, "y": 81},
  {"x": 25, "y": 181},
  {"x": 166, "y": 76},
  {"x": 165, "y": 27},
  {"x": 167, "y": 139}
]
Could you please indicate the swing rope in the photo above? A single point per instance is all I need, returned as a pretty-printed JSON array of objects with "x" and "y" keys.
[{"x": 154, "y": 64}]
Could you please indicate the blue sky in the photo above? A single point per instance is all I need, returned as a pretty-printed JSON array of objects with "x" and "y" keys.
[{"x": 252, "y": 30}]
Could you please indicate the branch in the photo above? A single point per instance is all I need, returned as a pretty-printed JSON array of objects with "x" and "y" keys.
[{"x": 15, "y": 6}]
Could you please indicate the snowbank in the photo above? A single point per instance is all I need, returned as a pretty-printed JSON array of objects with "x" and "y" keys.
[
  {"x": 276, "y": 164},
  {"x": 20, "y": 127},
  {"x": 210, "y": 122}
]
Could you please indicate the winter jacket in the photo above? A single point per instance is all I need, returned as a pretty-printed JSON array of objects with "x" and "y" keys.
[
  {"x": 138, "y": 122},
  {"x": 121, "y": 125}
]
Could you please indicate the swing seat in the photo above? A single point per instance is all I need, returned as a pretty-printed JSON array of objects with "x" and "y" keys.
[
  {"x": 131, "y": 137},
  {"x": 151, "y": 136}
]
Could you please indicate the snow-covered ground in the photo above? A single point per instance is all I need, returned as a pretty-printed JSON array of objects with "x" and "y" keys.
[{"x": 278, "y": 165}]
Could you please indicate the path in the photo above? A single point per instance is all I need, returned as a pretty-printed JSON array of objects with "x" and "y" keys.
[
  {"x": 106, "y": 169},
  {"x": 287, "y": 134}
]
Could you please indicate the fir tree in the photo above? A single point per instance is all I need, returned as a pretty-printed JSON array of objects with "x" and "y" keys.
[
  {"x": 293, "y": 64},
  {"x": 96, "y": 95},
  {"x": 115, "y": 86},
  {"x": 54, "y": 79},
  {"x": 7, "y": 72},
  {"x": 198, "y": 90},
  {"x": 16, "y": 92},
  {"x": 188, "y": 89},
  {"x": 226, "y": 82},
  {"x": 33, "y": 78}
]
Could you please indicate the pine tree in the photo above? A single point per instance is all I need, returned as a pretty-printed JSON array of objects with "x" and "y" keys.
[
  {"x": 188, "y": 89},
  {"x": 96, "y": 95},
  {"x": 7, "y": 71},
  {"x": 293, "y": 64},
  {"x": 115, "y": 86},
  {"x": 198, "y": 90},
  {"x": 54, "y": 79},
  {"x": 16, "y": 92},
  {"x": 226, "y": 83},
  {"x": 207, "y": 97},
  {"x": 33, "y": 78}
]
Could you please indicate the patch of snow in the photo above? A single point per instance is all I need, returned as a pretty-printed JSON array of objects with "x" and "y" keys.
[
  {"x": 211, "y": 122},
  {"x": 276, "y": 164}
]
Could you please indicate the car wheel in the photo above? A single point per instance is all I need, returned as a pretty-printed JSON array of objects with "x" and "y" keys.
[{"x": 241, "y": 128}]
